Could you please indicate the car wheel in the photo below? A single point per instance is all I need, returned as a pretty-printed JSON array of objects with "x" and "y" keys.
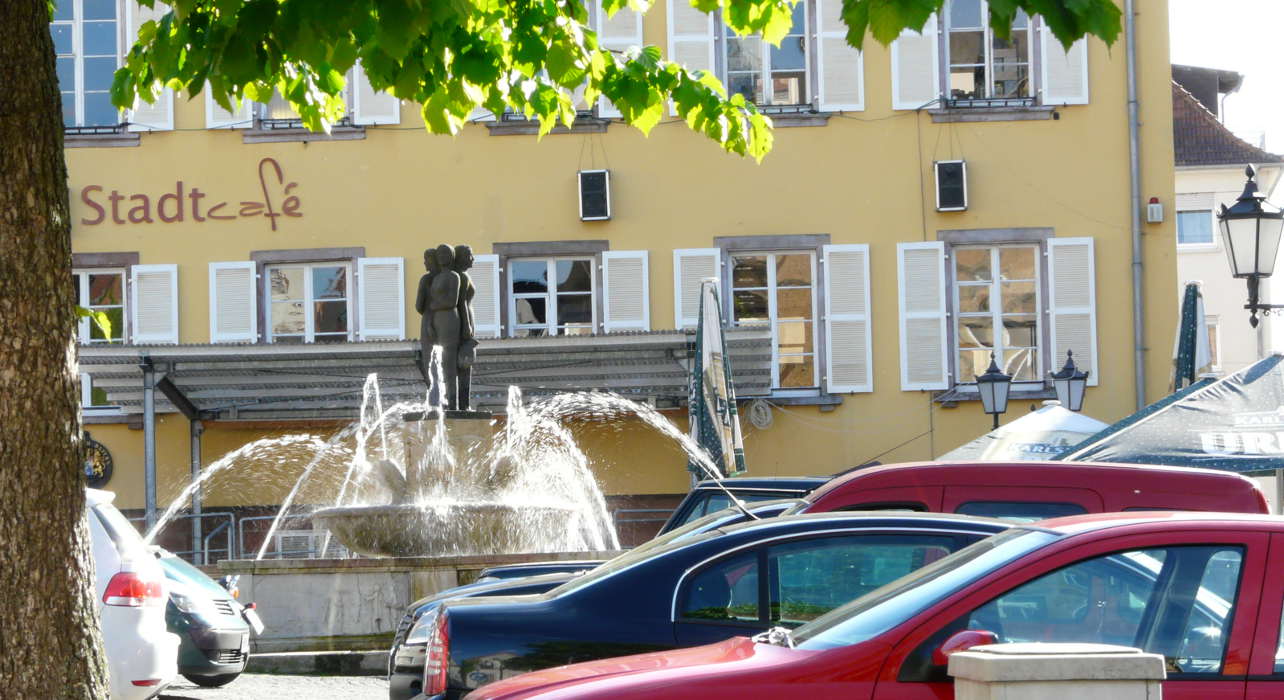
[{"x": 212, "y": 681}]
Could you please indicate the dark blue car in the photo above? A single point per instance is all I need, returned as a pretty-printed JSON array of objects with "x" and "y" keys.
[
  {"x": 734, "y": 580},
  {"x": 406, "y": 659}
]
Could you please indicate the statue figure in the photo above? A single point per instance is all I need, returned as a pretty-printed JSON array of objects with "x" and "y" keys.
[
  {"x": 467, "y": 340},
  {"x": 426, "y": 335},
  {"x": 438, "y": 301}
]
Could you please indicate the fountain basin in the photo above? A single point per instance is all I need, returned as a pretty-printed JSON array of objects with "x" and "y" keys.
[{"x": 451, "y": 529}]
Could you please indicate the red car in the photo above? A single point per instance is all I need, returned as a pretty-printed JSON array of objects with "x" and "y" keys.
[{"x": 1195, "y": 587}]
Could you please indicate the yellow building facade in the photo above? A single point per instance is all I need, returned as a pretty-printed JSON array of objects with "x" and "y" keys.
[{"x": 881, "y": 306}]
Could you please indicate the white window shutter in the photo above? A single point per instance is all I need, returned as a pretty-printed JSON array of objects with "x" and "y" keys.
[
  {"x": 627, "y": 302},
  {"x": 154, "y": 304},
  {"x": 616, "y": 34},
  {"x": 690, "y": 267},
  {"x": 1064, "y": 77},
  {"x": 691, "y": 34},
  {"x": 372, "y": 106},
  {"x": 381, "y": 283},
  {"x": 218, "y": 118},
  {"x": 233, "y": 307},
  {"x": 848, "y": 346},
  {"x": 159, "y": 115},
  {"x": 1072, "y": 304},
  {"x": 485, "y": 277},
  {"x": 842, "y": 67},
  {"x": 916, "y": 79},
  {"x": 921, "y": 285}
]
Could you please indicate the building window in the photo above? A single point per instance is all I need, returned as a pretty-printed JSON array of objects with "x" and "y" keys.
[
  {"x": 551, "y": 296},
  {"x": 309, "y": 303},
  {"x": 777, "y": 289},
  {"x": 278, "y": 113},
  {"x": 1195, "y": 227},
  {"x": 981, "y": 65},
  {"x": 86, "y": 37},
  {"x": 100, "y": 290},
  {"x": 1213, "y": 323},
  {"x": 996, "y": 298},
  {"x": 765, "y": 74}
]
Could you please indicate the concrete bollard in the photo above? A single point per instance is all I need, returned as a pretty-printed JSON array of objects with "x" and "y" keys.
[{"x": 1036, "y": 671}]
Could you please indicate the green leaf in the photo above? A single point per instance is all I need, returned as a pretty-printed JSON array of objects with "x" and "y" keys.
[{"x": 100, "y": 319}]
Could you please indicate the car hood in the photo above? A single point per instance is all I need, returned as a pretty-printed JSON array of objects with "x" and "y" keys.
[{"x": 600, "y": 677}]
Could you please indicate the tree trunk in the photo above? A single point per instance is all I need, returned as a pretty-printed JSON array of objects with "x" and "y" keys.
[{"x": 48, "y": 614}]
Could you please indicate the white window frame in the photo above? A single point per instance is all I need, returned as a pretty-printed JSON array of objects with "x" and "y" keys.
[
  {"x": 309, "y": 298},
  {"x": 1214, "y": 325},
  {"x": 996, "y": 312},
  {"x": 77, "y": 24},
  {"x": 1212, "y": 244},
  {"x": 772, "y": 315},
  {"x": 810, "y": 72},
  {"x": 83, "y": 328},
  {"x": 262, "y": 112},
  {"x": 987, "y": 38},
  {"x": 550, "y": 325}
]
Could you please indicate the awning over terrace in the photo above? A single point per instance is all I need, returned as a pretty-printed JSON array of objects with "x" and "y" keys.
[{"x": 290, "y": 382}]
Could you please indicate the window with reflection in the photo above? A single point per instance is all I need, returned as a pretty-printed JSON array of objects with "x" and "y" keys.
[
  {"x": 996, "y": 303},
  {"x": 86, "y": 42},
  {"x": 309, "y": 303},
  {"x": 551, "y": 296},
  {"x": 102, "y": 291},
  {"x": 766, "y": 74},
  {"x": 981, "y": 65},
  {"x": 1195, "y": 227},
  {"x": 778, "y": 290}
]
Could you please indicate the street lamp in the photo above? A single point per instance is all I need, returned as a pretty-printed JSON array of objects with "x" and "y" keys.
[
  {"x": 1251, "y": 231},
  {"x": 1070, "y": 384},
  {"x": 994, "y": 386}
]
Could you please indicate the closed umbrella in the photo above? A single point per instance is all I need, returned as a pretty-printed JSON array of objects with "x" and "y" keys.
[
  {"x": 1192, "y": 351},
  {"x": 715, "y": 425}
]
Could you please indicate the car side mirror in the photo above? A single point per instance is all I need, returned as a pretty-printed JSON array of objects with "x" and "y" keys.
[{"x": 962, "y": 641}]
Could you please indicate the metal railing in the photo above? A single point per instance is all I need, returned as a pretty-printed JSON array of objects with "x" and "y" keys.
[
  {"x": 203, "y": 553},
  {"x": 290, "y": 541}
]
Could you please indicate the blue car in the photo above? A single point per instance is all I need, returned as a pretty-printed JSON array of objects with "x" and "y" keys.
[
  {"x": 406, "y": 659},
  {"x": 741, "y": 579}
]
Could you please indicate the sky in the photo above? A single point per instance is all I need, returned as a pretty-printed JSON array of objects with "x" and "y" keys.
[{"x": 1244, "y": 36}]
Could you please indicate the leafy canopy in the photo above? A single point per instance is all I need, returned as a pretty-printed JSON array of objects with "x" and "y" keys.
[{"x": 528, "y": 56}]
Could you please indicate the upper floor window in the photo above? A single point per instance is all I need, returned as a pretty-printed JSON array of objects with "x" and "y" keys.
[
  {"x": 983, "y": 66},
  {"x": 777, "y": 289},
  {"x": 766, "y": 74},
  {"x": 309, "y": 302},
  {"x": 996, "y": 298},
  {"x": 86, "y": 37},
  {"x": 1195, "y": 227},
  {"x": 551, "y": 296}
]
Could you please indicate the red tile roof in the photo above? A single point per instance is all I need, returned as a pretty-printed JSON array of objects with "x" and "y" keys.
[{"x": 1199, "y": 139}]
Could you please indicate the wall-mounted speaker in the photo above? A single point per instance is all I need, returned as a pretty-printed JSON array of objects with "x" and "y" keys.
[
  {"x": 951, "y": 185},
  {"x": 595, "y": 195}
]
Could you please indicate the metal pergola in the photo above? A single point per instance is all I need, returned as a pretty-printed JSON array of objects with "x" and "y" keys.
[{"x": 280, "y": 382}]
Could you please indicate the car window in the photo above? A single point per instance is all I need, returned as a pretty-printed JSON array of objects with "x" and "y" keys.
[
  {"x": 1022, "y": 512},
  {"x": 119, "y": 529},
  {"x": 178, "y": 570},
  {"x": 725, "y": 591},
  {"x": 713, "y": 501},
  {"x": 1174, "y": 601},
  {"x": 1279, "y": 650},
  {"x": 812, "y": 577}
]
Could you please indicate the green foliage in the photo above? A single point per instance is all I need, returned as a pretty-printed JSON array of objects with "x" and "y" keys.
[
  {"x": 527, "y": 56},
  {"x": 100, "y": 318}
]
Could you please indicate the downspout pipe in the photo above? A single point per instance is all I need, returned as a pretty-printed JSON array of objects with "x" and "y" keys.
[{"x": 1134, "y": 164}]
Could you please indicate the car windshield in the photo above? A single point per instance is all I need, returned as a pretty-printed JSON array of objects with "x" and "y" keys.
[
  {"x": 883, "y": 608},
  {"x": 694, "y": 531},
  {"x": 178, "y": 570},
  {"x": 717, "y": 501}
]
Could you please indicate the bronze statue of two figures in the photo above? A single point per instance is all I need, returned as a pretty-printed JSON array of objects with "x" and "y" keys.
[{"x": 445, "y": 300}]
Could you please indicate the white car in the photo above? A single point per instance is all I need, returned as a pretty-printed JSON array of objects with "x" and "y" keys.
[{"x": 142, "y": 656}]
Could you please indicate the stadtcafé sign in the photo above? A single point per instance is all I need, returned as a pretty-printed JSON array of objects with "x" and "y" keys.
[{"x": 188, "y": 203}]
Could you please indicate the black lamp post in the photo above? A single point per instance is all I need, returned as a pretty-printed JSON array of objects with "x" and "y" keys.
[
  {"x": 994, "y": 386},
  {"x": 1070, "y": 384},
  {"x": 1251, "y": 232}
]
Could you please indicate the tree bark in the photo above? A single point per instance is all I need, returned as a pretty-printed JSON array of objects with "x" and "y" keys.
[{"x": 48, "y": 612}]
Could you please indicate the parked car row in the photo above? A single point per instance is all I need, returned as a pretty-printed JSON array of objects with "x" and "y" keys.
[
  {"x": 744, "y": 603},
  {"x": 161, "y": 616}
]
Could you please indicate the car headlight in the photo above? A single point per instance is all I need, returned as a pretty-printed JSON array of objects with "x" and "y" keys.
[
  {"x": 192, "y": 604},
  {"x": 423, "y": 628}
]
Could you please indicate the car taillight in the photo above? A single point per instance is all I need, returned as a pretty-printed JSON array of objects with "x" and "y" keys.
[
  {"x": 131, "y": 590},
  {"x": 437, "y": 658}
]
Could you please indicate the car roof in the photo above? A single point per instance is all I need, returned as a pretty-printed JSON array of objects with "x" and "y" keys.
[
  {"x": 874, "y": 518},
  {"x": 98, "y": 496},
  {"x": 798, "y": 483},
  {"x": 967, "y": 471},
  {"x": 1076, "y": 524}
]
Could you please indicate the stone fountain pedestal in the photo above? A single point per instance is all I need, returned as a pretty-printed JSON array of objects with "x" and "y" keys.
[{"x": 443, "y": 456}]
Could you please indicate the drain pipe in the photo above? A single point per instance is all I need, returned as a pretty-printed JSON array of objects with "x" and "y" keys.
[{"x": 1134, "y": 157}]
